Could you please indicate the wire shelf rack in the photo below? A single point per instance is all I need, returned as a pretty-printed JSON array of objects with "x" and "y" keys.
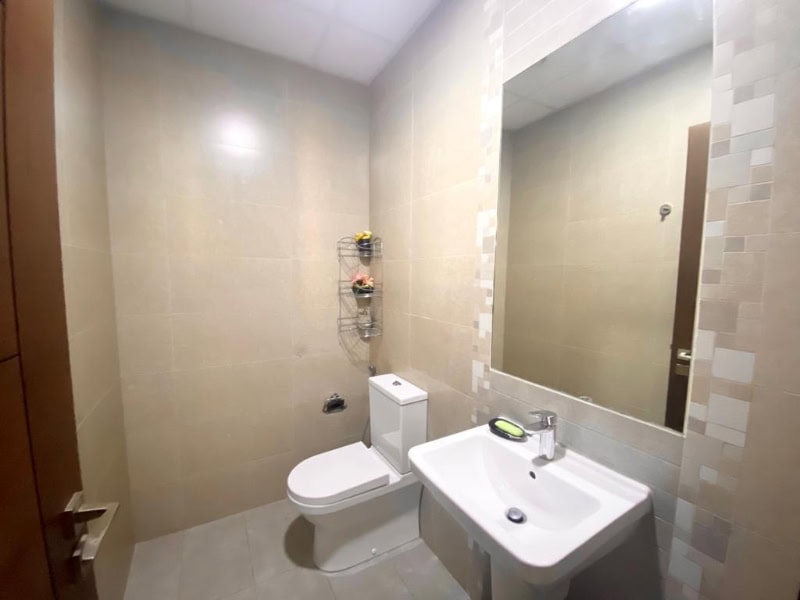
[
  {"x": 360, "y": 310},
  {"x": 346, "y": 289},
  {"x": 365, "y": 329},
  {"x": 348, "y": 248}
]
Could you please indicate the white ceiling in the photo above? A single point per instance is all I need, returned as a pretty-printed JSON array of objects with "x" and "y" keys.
[
  {"x": 645, "y": 34},
  {"x": 350, "y": 38}
]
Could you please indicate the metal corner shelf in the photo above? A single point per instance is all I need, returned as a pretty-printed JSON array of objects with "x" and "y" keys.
[
  {"x": 360, "y": 313},
  {"x": 364, "y": 330},
  {"x": 348, "y": 248},
  {"x": 346, "y": 290}
]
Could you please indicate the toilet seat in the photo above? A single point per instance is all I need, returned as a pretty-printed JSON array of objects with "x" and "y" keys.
[{"x": 337, "y": 474}]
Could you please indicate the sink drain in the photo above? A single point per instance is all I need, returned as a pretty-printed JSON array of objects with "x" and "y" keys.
[{"x": 515, "y": 515}]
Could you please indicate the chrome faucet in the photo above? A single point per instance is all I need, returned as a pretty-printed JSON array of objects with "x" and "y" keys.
[{"x": 544, "y": 426}]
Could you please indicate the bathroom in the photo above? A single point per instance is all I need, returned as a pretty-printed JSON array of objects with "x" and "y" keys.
[{"x": 184, "y": 180}]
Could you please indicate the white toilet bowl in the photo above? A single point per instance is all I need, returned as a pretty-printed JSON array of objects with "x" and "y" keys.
[
  {"x": 365, "y": 501},
  {"x": 364, "y": 507}
]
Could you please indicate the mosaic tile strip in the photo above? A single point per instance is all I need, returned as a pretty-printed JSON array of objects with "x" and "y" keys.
[{"x": 739, "y": 198}]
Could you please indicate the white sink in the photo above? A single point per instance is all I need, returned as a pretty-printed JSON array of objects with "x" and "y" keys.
[{"x": 576, "y": 510}]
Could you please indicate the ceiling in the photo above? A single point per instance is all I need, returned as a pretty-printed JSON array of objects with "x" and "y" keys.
[
  {"x": 353, "y": 39},
  {"x": 645, "y": 34}
]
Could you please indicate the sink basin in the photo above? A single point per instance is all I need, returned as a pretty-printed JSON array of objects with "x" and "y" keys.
[{"x": 575, "y": 510}]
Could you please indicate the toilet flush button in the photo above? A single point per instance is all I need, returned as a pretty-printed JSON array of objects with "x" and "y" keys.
[{"x": 374, "y": 551}]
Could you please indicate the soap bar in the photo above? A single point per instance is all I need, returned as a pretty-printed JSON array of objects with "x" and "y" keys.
[{"x": 506, "y": 429}]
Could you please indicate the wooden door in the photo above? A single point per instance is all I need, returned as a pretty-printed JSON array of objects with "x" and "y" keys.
[
  {"x": 38, "y": 445},
  {"x": 23, "y": 561},
  {"x": 688, "y": 273}
]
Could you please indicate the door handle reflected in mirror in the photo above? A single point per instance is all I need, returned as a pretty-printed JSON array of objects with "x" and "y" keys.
[{"x": 684, "y": 358}]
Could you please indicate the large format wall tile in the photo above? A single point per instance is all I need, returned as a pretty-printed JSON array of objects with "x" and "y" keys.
[
  {"x": 88, "y": 282},
  {"x": 231, "y": 176}
]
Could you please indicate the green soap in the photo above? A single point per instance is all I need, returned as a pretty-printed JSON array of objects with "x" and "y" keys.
[{"x": 509, "y": 428}]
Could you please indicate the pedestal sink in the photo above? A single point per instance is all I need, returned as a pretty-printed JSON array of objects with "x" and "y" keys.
[{"x": 571, "y": 509}]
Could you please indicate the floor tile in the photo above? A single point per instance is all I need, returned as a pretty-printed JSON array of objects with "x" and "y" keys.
[
  {"x": 426, "y": 576},
  {"x": 248, "y": 594},
  {"x": 216, "y": 560},
  {"x": 379, "y": 582},
  {"x": 155, "y": 569},
  {"x": 266, "y": 554},
  {"x": 297, "y": 584},
  {"x": 279, "y": 540}
]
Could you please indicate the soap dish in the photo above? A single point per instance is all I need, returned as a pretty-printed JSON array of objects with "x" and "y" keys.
[{"x": 507, "y": 429}]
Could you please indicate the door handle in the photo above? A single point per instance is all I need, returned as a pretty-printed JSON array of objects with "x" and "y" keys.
[
  {"x": 79, "y": 513},
  {"x": 684, "y": 358}
]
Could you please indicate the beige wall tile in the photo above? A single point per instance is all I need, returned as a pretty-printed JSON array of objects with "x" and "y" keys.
[
  {"x": 241, "y": 285},
  {"x": 390, "y": 125},
  {"x": 225, "y": 260},
  {"x": 267, "y": 478},
  {"x": 394, "y": 227},
  {"x": 776, "y": 366},
  {"x": 315, "y": 332},
  {"x": 157, "y": 511},
  {"x": 758, "y": 567},
  {"x": 210, "y": 227},
  {"x": 154, "y": 454},
  {"x": 397, "y": 285},
  {"x": 148, "y": 399},
  {"x": 314, "y": 378},
  {"x": 249, "y": 389},
  {"x": 220, "y": 338},
  {"x": 111, "y": 567},
  {"x": 428, "y": 339},
  {"x": 145, "y": 344},
  {"x": 449, "y": 412},
  {"x": 317, "y": 231},
  {"x": 99, "y": 438},
  {"x": 443, "y": 222},
  {"x": 747, "y": 218},
  {"x": 440, "y": 289},
  {"x": 137, "y": 210},
  {"x": 141, "y": 283},
  {"x": 88, "y": 282},
  {"x": 782, "y": 281},
  {"x": 718, "y": 316},
  {"x": 390, "y": 352},
  {"x": 94, "y": 366},
  {"x": 88, "y": 288},
  {"x": 315, "y": 285},
  {"x": 215, "y": 445},
  {"x": 391, "y": 185}
]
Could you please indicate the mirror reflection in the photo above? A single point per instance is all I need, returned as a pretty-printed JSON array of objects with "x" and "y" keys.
[{"x": 602, "y": 191}]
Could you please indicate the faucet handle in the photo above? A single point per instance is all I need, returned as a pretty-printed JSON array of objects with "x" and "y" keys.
[{"x": 545, "y": 419}]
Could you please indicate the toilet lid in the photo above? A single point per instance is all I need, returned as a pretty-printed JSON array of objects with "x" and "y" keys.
[{"x": 338, "y": 474}]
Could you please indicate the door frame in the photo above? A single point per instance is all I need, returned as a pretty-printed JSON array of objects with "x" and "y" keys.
[{"x": 694, "y": 204}]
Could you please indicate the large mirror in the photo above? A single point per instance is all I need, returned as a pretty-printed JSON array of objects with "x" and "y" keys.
[{"x": 602, "y": 190}]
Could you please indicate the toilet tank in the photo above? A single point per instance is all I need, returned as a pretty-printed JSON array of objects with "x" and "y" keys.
[{"x": 398, "y": 412}]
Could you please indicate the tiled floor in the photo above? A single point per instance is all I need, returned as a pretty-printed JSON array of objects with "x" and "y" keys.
[{"x": 265, "y": 554}]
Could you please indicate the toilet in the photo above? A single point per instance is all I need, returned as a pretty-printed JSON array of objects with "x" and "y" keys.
[{"x": 363, "y": 501}]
